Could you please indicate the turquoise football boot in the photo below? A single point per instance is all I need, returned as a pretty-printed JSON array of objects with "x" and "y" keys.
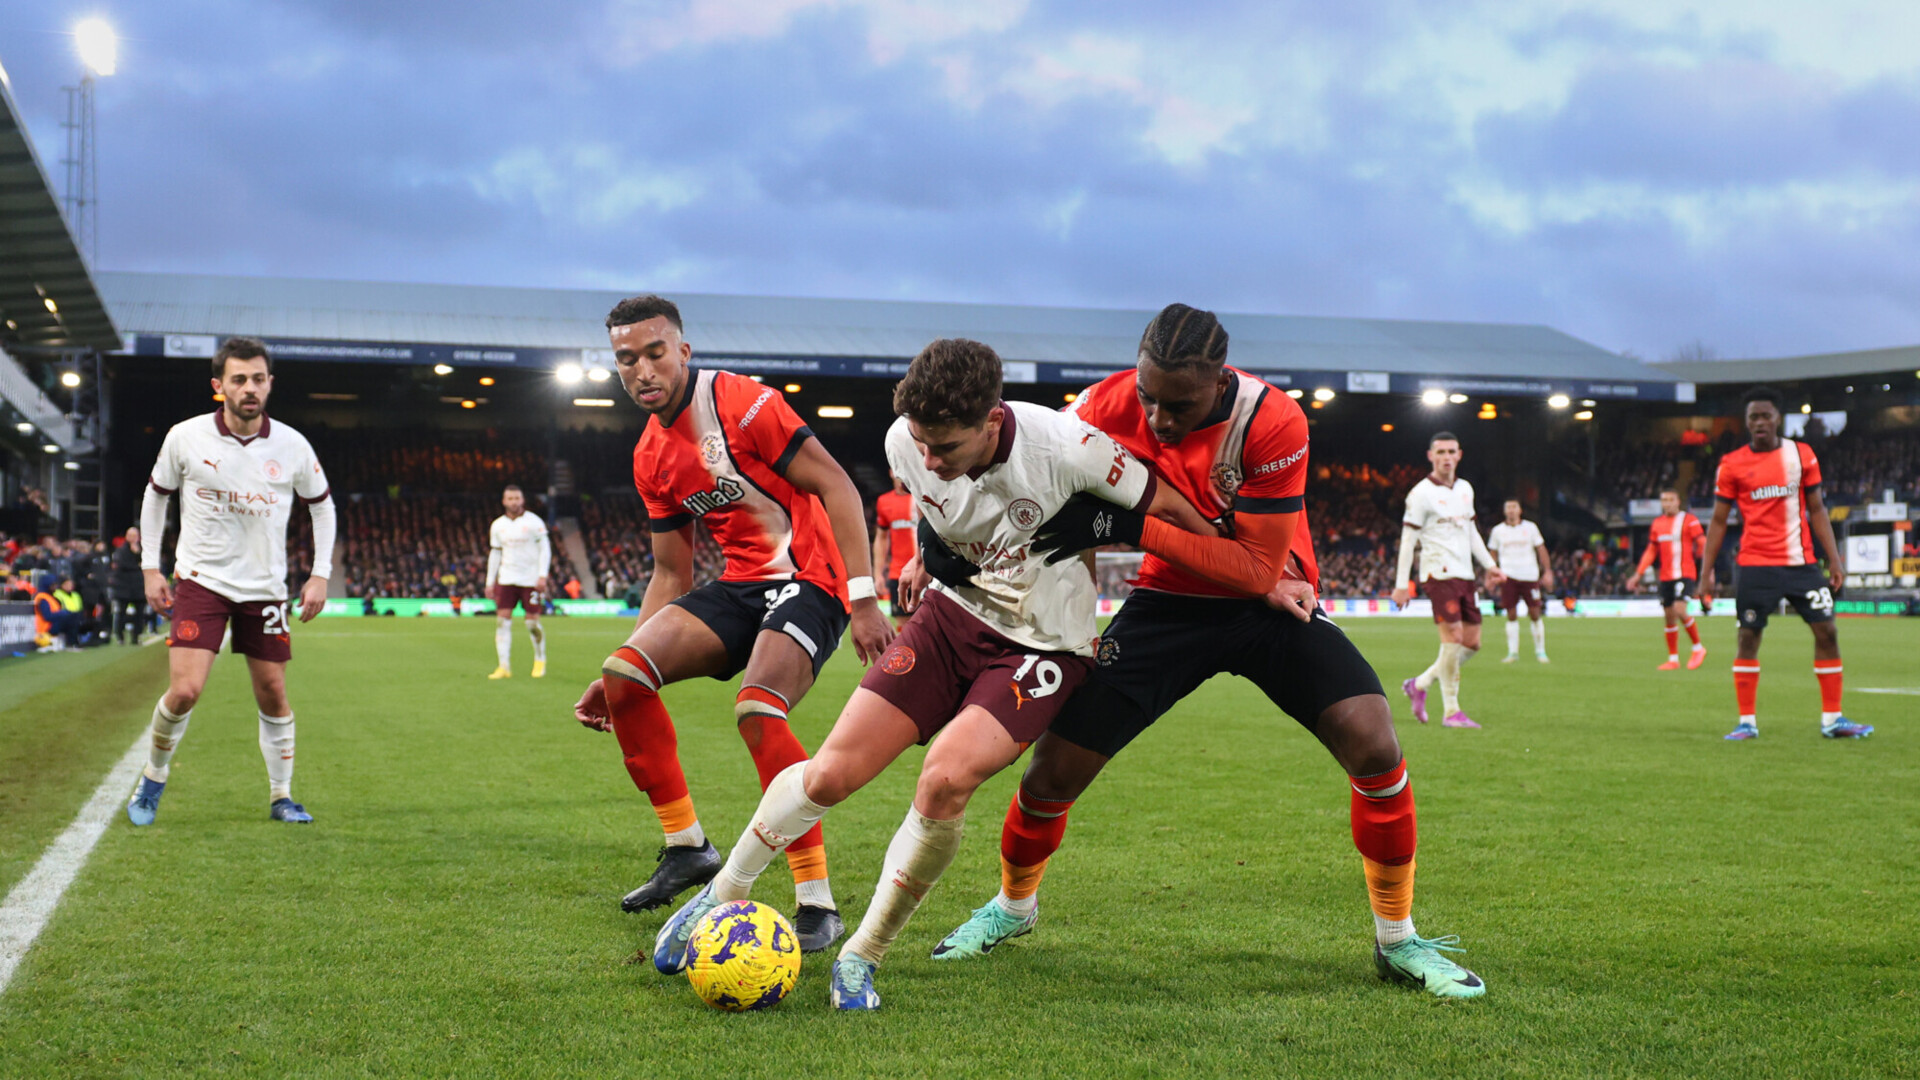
[
  {"x": 989, "y": 926},
  {"x": 1421, "y": 962}
]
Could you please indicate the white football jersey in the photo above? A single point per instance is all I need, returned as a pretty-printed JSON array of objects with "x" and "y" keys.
[
  {"x": 1044, "y": 459},
  {"x": 525, "y": 551},
  {"x": 1513, "y": 546},
  {"x": 1444, "y": 516},
  {"x": 236, "y": 497}
]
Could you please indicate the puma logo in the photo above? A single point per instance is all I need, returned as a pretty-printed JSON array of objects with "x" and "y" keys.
[
  {"x": 214, "y": 465},
  {"x": 1019, "y": 696},
  {"x": 940, "y": 505},
  {"x": 1084, "y": 439}
]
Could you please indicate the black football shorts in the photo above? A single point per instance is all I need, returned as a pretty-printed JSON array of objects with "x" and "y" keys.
[{"x": 1161, "y": 647}]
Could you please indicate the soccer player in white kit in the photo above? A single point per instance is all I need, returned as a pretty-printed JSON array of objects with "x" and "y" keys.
[
  {"x": 985, "y": 662},
  {"x": 238, "y": 474},
  {"x": 517, "y": 560},
  {"x": 1439, "y": 518},
  {"x": 1522, "y": 553}
]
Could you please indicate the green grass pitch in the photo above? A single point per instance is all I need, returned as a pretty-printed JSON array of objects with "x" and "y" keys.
[{"x": 1641, "y": 897}]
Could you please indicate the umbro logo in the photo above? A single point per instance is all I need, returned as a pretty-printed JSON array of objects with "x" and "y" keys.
[{"x": 1102, "y": 525}]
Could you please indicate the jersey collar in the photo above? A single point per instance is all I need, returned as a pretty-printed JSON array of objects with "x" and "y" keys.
[
  {"x": 1003, "y": 450},
  {"x": 220, "y": 422},
  {"x": 671, "y": 416}
]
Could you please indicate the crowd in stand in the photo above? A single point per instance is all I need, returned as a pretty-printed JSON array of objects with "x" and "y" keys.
[
  {"x": 422, "y": 545},
  {"x": 82, "y": 593}
]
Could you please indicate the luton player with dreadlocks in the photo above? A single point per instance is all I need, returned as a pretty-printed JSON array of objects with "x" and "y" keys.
[{"x": 1237, "y": 449}]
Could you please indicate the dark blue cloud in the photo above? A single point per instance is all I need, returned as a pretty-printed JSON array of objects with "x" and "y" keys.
[{"x": 505, "y": 143}]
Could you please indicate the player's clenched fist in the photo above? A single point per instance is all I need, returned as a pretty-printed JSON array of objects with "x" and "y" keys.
[{"x": 591, "y": 710}]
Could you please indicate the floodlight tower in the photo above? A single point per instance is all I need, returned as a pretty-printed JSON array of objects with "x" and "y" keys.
[{"x": 99, "y": 54}]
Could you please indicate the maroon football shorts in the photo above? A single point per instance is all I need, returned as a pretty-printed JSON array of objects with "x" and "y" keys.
[
  {"x": 526, "y": 597},
  {"x": 200, "y": 618},
  {"x": 945, "y": 660},
  {"x": 1453, "y": 600},
  {"x": 1512, "y": 592}
]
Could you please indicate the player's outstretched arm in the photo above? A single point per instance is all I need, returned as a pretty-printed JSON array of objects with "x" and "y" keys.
[{"x": 814, "y": 471}]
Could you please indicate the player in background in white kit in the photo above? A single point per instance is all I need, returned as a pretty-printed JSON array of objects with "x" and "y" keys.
[
  {"x": 517, "y": 576},
  {"x": 987, "y": 659},
  {"x": 1439, "y": 518},
  {"x": 1522, "y": 552},
  {"x": 238, "y": 474}
]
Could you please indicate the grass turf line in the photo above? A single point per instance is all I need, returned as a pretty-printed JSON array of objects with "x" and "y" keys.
[{"x": 1642, "y": 897}]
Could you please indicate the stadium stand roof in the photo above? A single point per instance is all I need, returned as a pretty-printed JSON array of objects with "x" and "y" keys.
[
  {"x": 39, "y": 262},
  {"x": 1796, "y": 368},
  {"x": 179, "y": 314}
]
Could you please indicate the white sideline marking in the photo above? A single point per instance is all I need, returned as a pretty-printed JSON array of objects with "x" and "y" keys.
[
  {"x": 1911, "y": 690},
  {"x": 30, "y": 905}
]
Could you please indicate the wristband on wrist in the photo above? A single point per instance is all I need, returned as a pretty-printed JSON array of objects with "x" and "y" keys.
[{"x": 860, "y": 588}]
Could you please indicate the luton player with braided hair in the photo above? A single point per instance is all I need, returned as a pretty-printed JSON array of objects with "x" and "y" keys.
[
  {"x": 987, "y": 657},
  {"x": 1241, "y": 603},
  {"x": 722, "y": 448}
]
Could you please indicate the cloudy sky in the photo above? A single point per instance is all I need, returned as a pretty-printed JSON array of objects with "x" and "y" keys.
[{"x": 1644, "y": 174}]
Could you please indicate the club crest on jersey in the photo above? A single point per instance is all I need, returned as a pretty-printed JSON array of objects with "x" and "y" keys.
[
  {"x": 186, "y": 630},
  {"x": 1024, "y": 513},
  {"x": 1226, "y": 478},
  {"x": 273, "y": 470},
  {"x": 726, "y": 490},
  {"x": 713, "y": 449},
  {"x": 898, "y": 661}
]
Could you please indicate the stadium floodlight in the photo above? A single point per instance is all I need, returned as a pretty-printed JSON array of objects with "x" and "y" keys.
[
  {"x": 54, "y": 309},
  {"x": 486, "y": 380},
  {"x": 598, "y": 374},
  {"x": 23, "y": 428},
  {"x": 594, "y": 402},
  {"x": 1457, "y": 399},
  {"x": 1587, "y": 403},
  {"x": 70, "y": 379},
  {"x": 99, "y": 49},
  {"x": 1070, "y": 398},
  {"x": 792, "y": 388},
  {"x": 50, "y": 448},
  {"x": 1583, "y": 414},
  {"x": 1386, "y": 427},
  {"x": 569, "y": 374},
  {"x": 1805, "y": 409},
  {"x": 1433, "y": 398},
  {"x": 71, "y": 466},
  {"x": 1559, "y": 401},
  {"x": 1296, "y": 394},
  {"x": 1323, "y": 394},
  {"x": 835, "y": 412},
  {"x": 443, "y": 369},
  {"x": 469, "y": 403}
]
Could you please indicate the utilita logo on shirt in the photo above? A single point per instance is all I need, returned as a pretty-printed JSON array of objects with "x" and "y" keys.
[
  {"x": 1771, "y": 491},
  {"x": 726, "y": 490},
  {"x": 251, "y": 503}
]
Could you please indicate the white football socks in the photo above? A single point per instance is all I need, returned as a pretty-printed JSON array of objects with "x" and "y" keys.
[
  {"x": 920, "y": 852},
  {"x": 1019, "y": 909},
  {"x": 784, "y": 815},
  {"x": 167, "y": 731},
  {"x": 276, "y": 747},
  {"x": 1513, "y": 637},
  {"x": 503, "y": 642},
  {"x": 539, "y": 635},
  {"x": 691, "y": 836},
  {"x": 1392, "y": 931},
  {"x": 1539, "y": 637},
  {"x": 1425, "y": 679},
  {"x": 1450, "y": 661},
  {"x": 816, "y": 893}
]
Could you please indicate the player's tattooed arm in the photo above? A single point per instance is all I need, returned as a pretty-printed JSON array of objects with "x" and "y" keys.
[
  {"x": 814, "y": 471},
  {"x": 672, "y": 571}
]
